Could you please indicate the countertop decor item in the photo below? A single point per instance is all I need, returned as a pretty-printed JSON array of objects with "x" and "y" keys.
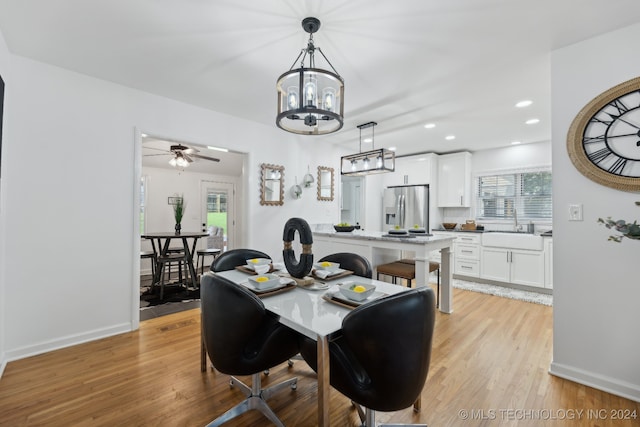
[
  {"x": 449, "y": 225},
  {"x": 630, "y": 230},
  {"x": 603, "y": 141},
  {"x": 310, "y": 99}
]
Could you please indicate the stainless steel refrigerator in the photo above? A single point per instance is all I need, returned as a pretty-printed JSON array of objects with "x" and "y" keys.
[{"x": 406, "y": 206}]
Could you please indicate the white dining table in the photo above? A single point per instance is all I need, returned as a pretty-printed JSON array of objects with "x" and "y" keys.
[{"x": 306, "y": 312}]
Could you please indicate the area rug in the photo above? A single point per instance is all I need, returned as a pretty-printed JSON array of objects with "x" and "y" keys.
[
  {"x": 502, "y": 291},
  {"x": 151, "y": 297}
]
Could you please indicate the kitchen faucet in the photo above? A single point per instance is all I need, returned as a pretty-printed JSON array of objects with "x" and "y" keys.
[{"x": 515, "y": 219}]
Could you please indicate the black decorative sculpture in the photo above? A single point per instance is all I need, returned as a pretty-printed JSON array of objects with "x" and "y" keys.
[{"x": 303, "y": 267}]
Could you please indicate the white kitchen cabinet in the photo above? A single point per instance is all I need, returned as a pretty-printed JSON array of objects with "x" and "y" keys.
[
  {"x": 548, "y": 264},
  {"x": 520, "y": 267},
  {"x": 466, "y": 249},
  {"x": 454, "y": 180},
  {"x": 416, "y": 170}
]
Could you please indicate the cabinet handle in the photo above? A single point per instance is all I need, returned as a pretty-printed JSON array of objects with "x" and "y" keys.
[
  {"x": 464, "y": 266},
  {"x": 467, "y": 252}
]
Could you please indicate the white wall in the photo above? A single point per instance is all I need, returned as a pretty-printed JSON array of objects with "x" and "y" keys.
[
  {"x": 513, "y": 157},
  {"x": 5, "y": 73},
  {"x": 596, "y": 282},
  {"x": 71, "y": 256}
]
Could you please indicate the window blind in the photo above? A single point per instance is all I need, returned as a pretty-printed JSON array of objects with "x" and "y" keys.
[{"x": 528, "y": 194}]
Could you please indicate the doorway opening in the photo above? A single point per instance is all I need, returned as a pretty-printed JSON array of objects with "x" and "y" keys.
[{"x": 207, "y": 187}]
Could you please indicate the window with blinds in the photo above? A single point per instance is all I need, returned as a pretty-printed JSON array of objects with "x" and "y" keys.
[{"x": 528, "y": 194}]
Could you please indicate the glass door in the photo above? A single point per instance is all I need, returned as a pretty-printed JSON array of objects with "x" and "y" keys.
[{"x": 218, "y": 214}]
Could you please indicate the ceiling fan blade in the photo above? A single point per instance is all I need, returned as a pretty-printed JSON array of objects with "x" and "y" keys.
[
  {"x": 213, "y": 159},
  {"x": 187, "y": 158},
  {"x": 152, "y": 155},
  {"x": 190, "y": 150}
]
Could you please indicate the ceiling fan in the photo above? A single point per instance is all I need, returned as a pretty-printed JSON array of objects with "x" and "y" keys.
[{"x": 182, "y": 155}]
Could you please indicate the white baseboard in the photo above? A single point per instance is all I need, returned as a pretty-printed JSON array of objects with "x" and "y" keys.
[
  {"x": 68, "y": 341},
  {"x": 610, "y": 385}
]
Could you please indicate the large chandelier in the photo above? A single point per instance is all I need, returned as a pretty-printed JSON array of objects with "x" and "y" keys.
[
  {"x": 369, "y": 162},
  {"x": 310, "y": 99}
]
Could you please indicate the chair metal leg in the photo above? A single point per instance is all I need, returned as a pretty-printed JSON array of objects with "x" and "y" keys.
[{"x": 255, "y": 399}]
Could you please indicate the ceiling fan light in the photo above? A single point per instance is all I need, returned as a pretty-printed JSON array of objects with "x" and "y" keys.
[{"x": 173, "y": 162}]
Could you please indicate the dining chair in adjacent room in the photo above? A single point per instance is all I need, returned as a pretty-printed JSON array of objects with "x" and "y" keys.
[
  {"x": 350, "y": 261},
  {"x": 380, "y": 359},
  {"x": 257, "y": 341}
]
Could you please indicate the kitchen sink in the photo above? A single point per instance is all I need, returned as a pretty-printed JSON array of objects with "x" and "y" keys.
[{"x": 513, "y": 240}]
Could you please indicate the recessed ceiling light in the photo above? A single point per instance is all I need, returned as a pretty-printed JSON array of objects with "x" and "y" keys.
[
  {"x": 392, "y": 148},
  {"x": 532, "y": 121},
  {"x": 224, "y": 150},
  {"x": 429, "y": 125},
  {"x": 524, "y": 103},
  {"x": 450, "y": 137},
  {"x": 421, "y": 159},
  {"x": 367, "y": 140},
  {"x": 516, "y": 142}
]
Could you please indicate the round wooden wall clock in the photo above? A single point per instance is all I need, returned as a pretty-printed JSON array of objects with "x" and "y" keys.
[{"x": 604, "y": 139}]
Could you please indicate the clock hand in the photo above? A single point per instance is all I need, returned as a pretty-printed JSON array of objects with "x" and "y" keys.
[
  {"x": 626, "y": 134},
  {"x": 629, "y": 123}
]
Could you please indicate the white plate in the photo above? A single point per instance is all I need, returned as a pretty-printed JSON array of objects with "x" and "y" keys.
[
  {"x": 283, "y": 282},
  {"x": 316, "y": 286},
  {"x": 329, "y": 273}
]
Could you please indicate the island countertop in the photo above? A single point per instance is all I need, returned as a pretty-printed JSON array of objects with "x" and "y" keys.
[
  {"x": 416, "y": 238},
  {"x": 379, "y": 248}
]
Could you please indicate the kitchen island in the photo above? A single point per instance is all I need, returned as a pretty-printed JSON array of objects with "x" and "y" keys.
[{"x": 379, "y": 248}]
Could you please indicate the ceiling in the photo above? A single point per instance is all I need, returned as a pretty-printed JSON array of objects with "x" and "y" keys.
[
  {"x": 156, "y": 153},
  {"x": 460, "y": 64}
]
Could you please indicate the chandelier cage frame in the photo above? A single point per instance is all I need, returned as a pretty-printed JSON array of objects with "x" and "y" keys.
[{"x": 310, "y": 99}]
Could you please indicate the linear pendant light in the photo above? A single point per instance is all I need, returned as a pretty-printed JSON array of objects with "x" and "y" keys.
[{"x": 369, "y": 162}]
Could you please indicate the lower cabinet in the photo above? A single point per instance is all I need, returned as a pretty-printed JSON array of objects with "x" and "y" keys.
[{"x": 514, "y": 266}]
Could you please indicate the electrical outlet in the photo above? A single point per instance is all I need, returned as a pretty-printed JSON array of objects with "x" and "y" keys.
[{"x": 575, "y": 212}]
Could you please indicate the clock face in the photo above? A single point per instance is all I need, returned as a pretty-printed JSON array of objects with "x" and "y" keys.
[{"x": 604, "y": 139}]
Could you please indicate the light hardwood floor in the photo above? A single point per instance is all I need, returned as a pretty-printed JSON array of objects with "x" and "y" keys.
[{"x": 489, "y": 363}]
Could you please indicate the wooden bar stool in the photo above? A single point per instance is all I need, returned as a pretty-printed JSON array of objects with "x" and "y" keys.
[
  {"x": 153, "y": 257},
  {"x": 407, "y": 271},
  {"x": 397, "y": 270},
  {"x": 203, "y": 253}
]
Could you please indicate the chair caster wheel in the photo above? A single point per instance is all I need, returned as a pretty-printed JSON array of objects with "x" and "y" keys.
[
  {"x": 231, "y": 383},
  {"x": 290, "y": 363},
  {"x": 266, "y": 372},
  {"x": 294, "y": 386}
]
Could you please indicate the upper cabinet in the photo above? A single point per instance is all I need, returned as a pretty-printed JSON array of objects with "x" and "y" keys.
[
  {"x": 454, "y": 180},
  {"x": 413, "y": 170}
]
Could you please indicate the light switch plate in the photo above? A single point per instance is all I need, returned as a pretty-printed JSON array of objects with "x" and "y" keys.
[{"x": 575, "y": 212}]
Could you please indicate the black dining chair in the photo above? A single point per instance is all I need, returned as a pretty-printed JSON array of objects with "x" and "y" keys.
[
  {"x": 257, "y": 341},
  {"x": 380, "y": 359},
  {"x": 234, "y": 258},
  {"x": 350, "y": 261},
  {"x": 228, "y": 261}
]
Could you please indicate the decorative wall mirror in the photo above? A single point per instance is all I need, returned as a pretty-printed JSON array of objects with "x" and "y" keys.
[
  {"x": 272, "y": 185},
  {"x": 325, "y": 183}
]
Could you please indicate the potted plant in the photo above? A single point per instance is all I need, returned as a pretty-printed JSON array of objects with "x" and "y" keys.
[{"x": 178, "y": 212}]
